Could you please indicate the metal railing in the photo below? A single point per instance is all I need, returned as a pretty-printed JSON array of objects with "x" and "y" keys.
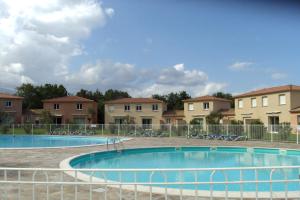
[
  {"x": 90, "y": 184},
  {"x": 271, "y": 133}
]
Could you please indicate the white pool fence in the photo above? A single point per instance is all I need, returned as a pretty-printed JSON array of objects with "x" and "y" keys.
[
  {"x": 271, "y": 133},
  {"x": 75, "y": 184}
]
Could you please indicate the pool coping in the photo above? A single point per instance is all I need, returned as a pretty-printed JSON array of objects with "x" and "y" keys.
[
  {"x": 65, "y": 165},
  {"x": 64, "y": 147}
]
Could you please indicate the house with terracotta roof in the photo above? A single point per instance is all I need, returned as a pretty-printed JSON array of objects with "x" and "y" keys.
[
  {"x": 145, "y": 111},
  {"x": 72, "y": 109},
  {"x": 12, "y": 105},
  {"x": 174, "y": 117},
  {"x": 272, "y": 105},
  {"x": 200, "y": 107}
]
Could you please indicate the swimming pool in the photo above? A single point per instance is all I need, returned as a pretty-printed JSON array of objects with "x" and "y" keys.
[
  {"x": 46, "y": 141},
  {"x": 197, "y": 157}
]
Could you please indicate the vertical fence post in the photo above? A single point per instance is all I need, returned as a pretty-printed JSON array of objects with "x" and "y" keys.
[
  {"x": 297, "y": 127},
  {"x": 135, "y": 130},
  {"x": 188, "y": 133},
  {"x": 50, "y": 129},
  {"x": 272, "y": 130},
  {"x": 68, "y": 129},
  {"x": 170, "y": 128},
  {"x": 32, "y": 129},
  {"x": 13, "y": 128},
  {"x": 102, "y": 129},
  {"x": 227, "y": 129},
  {"x": 118, "y": 130},
  {"x": 85, "y": 128}
]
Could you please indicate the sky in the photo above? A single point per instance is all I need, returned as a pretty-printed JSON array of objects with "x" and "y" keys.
[{"x": 150, "y": 47}]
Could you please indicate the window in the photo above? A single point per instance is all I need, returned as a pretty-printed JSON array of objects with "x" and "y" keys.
[
  {"x": 138, "y": 108},
  {"x": 79, "y": 106},
  {"x": 155, "y": 107},
  {"x": 298, "y": 119},
  {"x": 191, "y": 106},
  {"x": 265, "y": 101},
  {"x": 168, "y": 120},
  {"x": 56, "y": 106},
  {"x": 127, "y": 107},
  {"x": 240, "y": 103},
  {"x": 206, "y": 106},
  {"x": 282, "y": 99},
  {"x": 253, "y": 102},
  {"x": 8, "y": 104}
]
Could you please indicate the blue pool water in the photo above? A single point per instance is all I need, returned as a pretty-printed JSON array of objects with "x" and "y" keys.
[
  {"x": 196, "y": 157},
  {"x": 43, "y": 141}
]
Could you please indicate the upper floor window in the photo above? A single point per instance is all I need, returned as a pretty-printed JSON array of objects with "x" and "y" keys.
[
  {"x": 155, "y": 107},
  {"x": 56, "y": 106},
  {"x": 111, "y": 108},
  {"x": 79, "y": 106},
  {"x": 191, "y": 106},
  {"x": 127, "y": 107},
  {"x": 282, "y": 99},
  {"x": 253, "y": 103},
  {"x": 240, "y": 103},
  {"x": 8, "y": 104},
  {"x": 265, "y": 101},
  {"x": 138, "y": 107},
  {"x": 205, "y": 105}
]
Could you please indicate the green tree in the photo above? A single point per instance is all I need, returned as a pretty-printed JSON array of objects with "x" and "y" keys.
[
  {"x": 214, "y": 118},
  {"x": 173, "y": 100},
  {"x": 33, "y": 95}
]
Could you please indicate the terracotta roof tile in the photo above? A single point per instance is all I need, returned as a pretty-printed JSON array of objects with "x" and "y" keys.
[
  {"x": 133, "y": 100},
  {"x": 9, "y": 96},
  {"x": 173, "y": 113},
  {"x": 229, "y": 112},
  {"x": 206, "y": 98},
  {"x": 295, "y": 110},
  {"x": 67, "y": 99},
  {"x": 270, "y": 90}
]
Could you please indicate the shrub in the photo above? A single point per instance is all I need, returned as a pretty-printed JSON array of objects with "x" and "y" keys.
[{"x": 4, "y": 129}]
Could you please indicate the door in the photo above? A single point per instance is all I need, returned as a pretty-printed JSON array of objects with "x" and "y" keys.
[
  {"x": 57, "y": 120},
  {"x": 119, "y": 121},
  {"x": 273, "y": 124},
  {"x": 147, "y": 123}
]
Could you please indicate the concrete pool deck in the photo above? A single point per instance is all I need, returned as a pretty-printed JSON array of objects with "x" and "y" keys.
[{"x": 51, "y": 158}]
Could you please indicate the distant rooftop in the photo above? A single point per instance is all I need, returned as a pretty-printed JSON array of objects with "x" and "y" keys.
[
  {"x": 9, "y": 96},
  {"x": 285, "y": 88},
  {"x": 67, "y": 99},
  {"x": 133, "y": 100},
  {"x": 206, "y": 98},
  {"x": 173, "y": 113}
]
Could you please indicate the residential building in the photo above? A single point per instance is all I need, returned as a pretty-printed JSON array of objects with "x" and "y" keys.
[
  {"x": 272, "y": 106},
  {"x": 174, "y": 117},
  {"x": 33, "y": 116},
  {"x": 227, "y": 116},
  {"x": 12, "y": 105},
  {"x": 146, "y": 111},
  {"x": 199, "y": 108},
  {"x": 72, "y": 109}
]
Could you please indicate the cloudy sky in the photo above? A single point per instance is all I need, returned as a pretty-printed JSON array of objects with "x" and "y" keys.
[{"x": 150, "y": 46}]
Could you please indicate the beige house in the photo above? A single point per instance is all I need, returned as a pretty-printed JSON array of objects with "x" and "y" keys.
[
  {"x": 174, "y": 117},
  {"x": 146, "y": 111},
  {"x": 12, "y": 105},
  {"x": 74, "y": 109},
  {"x": 270, "y": 105},
  {"x": 200, "y": 107}
]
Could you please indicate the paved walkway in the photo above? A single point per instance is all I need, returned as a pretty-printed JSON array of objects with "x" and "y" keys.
[{"x": 50, "y": 158}]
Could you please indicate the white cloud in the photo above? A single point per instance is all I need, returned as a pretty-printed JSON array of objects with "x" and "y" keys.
[
  {"x": 238, "y": 66},
  {"x": 278, "y": 76},
  {"x": 110, "y": 12},
  {"x": 38, "y": 38},
  {"x": 142, "y": 82}
]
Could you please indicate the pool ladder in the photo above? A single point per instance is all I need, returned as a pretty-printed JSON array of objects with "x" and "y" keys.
[{"x": 116, "y": 143}]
